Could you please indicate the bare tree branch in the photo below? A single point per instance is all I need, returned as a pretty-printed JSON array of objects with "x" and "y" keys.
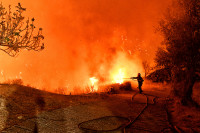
[{"x": 15, "y": 34}]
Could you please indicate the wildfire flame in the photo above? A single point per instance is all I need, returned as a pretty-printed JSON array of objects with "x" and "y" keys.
[
  {"x": 93, "y": 81},
  {"x": 118, "y": 78}
]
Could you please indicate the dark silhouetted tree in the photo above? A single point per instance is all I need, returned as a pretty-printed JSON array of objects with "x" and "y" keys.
[
  {"x": 146, "y": 67},
  {"x": 16, "y": 33},
  {"x": 181, "y": 51}
]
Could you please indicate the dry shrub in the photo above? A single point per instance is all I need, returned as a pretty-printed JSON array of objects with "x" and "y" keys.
[
  {"x": 117, "y": 88},
  {"x": 87, "y": 89},
  {"x": 113, "y": 88},
  {"x": 60, "y": 90},
  {"x": 125, "y": 86},
  {"x": 77, "y": 90},
  {"x": 17, "y": 81},
  {"x": 14, "y": 81}
]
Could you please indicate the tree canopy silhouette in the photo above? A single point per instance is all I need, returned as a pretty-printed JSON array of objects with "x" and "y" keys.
[
  {"x": 181, "y": 51},
  {"x": 16, "y": 33}
]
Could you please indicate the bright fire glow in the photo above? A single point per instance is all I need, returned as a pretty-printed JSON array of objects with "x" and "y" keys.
[
  {"x": 93, "y": 81},
  {"x": 118, "y": 77},
  {"x": 99, "y": 44}
]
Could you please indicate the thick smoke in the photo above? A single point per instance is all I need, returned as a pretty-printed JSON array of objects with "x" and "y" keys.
[{"x": 86, "y": 38}]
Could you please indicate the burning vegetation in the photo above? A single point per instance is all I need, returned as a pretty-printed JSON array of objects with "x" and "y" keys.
[
  {"x": 95, "y": 49},
  {"x": 104, "y": 40}
]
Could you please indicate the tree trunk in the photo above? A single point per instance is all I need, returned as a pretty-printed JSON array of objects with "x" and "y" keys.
[
  {"x": 183, "y": 82},
  {"x": 188, "y": 87}
]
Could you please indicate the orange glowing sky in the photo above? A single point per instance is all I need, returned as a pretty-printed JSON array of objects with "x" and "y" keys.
[{"x": 84, "y": 38}]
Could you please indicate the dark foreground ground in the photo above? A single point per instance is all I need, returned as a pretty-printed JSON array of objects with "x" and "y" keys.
[{"x": 28, "y": 110}]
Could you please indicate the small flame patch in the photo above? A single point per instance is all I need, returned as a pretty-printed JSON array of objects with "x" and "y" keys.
[{"x": 93, "y": 81}]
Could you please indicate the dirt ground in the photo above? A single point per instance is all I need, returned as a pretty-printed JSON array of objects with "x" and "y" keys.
[
  {"x": 186, "y": 118},
  {"x": 25, "y": 109}
]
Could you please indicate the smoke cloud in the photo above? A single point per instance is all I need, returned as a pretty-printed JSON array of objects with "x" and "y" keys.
[{"x": 86, "y": 38}]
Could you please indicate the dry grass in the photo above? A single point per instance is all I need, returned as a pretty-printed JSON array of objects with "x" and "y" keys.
[
  {"x": 23, "y": 102},
  {"x": 13, "y": 81}
]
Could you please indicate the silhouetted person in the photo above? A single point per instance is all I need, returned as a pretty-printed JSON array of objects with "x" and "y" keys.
[{"x": 140, "y": 81}]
